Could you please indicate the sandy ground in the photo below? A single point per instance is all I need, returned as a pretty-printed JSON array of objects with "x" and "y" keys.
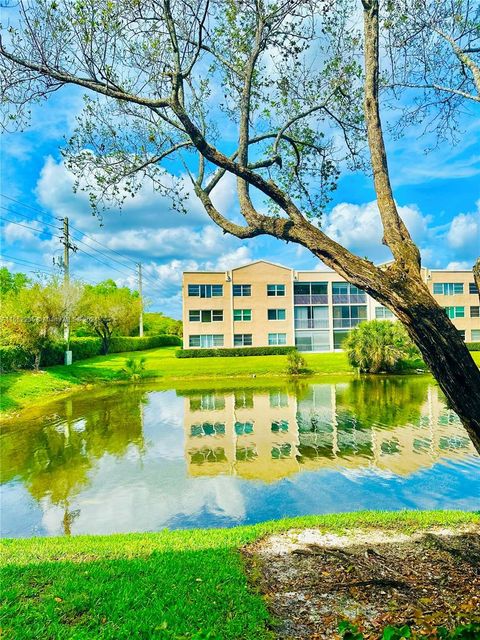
[{"x": 313, "y": 580}]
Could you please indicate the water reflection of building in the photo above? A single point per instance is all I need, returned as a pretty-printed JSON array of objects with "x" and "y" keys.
[{"x": 267, "y": 435}]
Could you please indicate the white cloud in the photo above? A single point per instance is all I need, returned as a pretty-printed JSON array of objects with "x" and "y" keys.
[
  {"x": 14, "y": 233},
  {"x": 464, "y": 232},
  {"x": 464, "y": 265},
  {"x": 358, "y": 227}
]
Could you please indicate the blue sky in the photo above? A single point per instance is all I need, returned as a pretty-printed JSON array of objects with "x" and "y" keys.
[{"x": 438, "y": 194}]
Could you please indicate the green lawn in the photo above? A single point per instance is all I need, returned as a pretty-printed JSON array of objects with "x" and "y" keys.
[
  {"x": 182, "y": 585},
  {"x": 20, "y": 389}
]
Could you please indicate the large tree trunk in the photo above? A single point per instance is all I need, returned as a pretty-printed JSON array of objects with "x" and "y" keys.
[
  {"x": 405, "y": 292},
  {"x": 444, "y": 352}
]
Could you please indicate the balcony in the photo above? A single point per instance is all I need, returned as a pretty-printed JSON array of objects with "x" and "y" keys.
[
  {"x": 314, "y": 298},
  {"x": 353, "y": 298},
  {"x": 311, "y": 323},
  {"x": 346, "y": 323}
]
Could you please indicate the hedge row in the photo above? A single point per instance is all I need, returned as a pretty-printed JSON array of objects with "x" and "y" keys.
[
  {"x": 237, "y": 352},
  {"x": 12, "y": 357},
  {"x": 473, "y": 346}
]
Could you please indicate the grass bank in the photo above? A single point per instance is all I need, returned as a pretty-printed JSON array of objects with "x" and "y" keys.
[
  {"x": 172, "y": 585},
  {"x": 19, "y": 389}
]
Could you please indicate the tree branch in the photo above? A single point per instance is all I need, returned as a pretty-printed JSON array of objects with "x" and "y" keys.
[{"x": 94, "y": 85}]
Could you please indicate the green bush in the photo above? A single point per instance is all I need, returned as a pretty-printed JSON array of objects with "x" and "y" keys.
[
  {"x": 473, "y": 346},
  {"x": 349, "y": 631},
  {"x": 235, "y": 352},
  {"x": 296, "y": 363},
  {"x": 119, "y": 344},
  {"x": 13, "y": 357},
  {"x": 379, "y": 345}
]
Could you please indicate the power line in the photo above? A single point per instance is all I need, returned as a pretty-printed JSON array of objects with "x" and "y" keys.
[
  {"x": 28, "y": 263},
  {"x": 151, "y": 282},
  {"x": 43, "y": 212},
  {"x": 19, "y": 224}
]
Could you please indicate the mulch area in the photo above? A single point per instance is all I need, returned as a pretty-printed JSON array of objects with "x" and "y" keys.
[{"x": 313, "y": 580}]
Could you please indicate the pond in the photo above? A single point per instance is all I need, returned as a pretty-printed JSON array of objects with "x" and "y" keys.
[{"x": 139, "y": 458}]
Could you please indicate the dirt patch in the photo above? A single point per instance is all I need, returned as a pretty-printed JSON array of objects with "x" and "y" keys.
[{"x": 313, "y": 580}]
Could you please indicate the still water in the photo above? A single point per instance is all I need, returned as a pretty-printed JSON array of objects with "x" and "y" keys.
[{"x": 133, "y": 458}]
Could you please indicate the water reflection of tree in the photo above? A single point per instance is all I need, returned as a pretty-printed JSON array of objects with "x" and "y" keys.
[
  {"x": 384, "y": 401},
  {"x": 53, "y": 458},
  {"x": 357, "y": 408}
]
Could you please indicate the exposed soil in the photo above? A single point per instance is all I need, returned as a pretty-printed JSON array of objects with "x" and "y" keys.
[{"x": 313, "y": 580}]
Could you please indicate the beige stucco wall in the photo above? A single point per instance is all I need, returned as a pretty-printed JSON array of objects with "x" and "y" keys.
[
  {"x": 466, "y": 299},
  {"x": 260, "y": 274},
  {"x": 224, "y": 302}
]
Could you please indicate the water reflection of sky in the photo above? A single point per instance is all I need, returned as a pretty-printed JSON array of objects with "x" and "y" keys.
[{"x": 141, "y": 460}]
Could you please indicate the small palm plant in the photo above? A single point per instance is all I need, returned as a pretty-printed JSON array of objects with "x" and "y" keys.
[
  {"x": 296, "y": 363},
  {"x": 378, "y": 345},
  {"x": 134, "y": 368}
]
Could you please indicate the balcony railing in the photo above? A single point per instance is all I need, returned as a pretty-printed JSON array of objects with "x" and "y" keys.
[
  {"x": 311, "y": 323},
  {"x": 346, "y": 323},
  {"x": 314, "y": 298},
  {"x": 353, "y": 298}
]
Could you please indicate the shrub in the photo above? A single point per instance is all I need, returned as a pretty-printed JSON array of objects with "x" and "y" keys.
[
  {"x": 473, "y": 346},
  {"x": 379, "y": 345},
  {"x": 119, "y": 344},
  {"x": 134, "y": 368},
  {"x": 235, "y": 352},
  {"x": 296, "y": 363},
  {"x": 349, "y": 631},
  {"x": 13, "y": 357}
]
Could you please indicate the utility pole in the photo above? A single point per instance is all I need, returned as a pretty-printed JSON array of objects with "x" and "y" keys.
[
  {"x": 66, "y": 279},
  {"x": 66, "y": 253},
  {"x": 140, "y": 324}
]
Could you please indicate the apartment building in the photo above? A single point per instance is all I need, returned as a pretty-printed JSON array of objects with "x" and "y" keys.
[{"x": 266, "y": 304}]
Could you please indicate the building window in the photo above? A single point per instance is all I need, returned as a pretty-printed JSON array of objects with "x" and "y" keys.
[
  {"x": 472, "y": 288},
  {"x": 462, "y": 333},
  {"x": 242, "y": 340},
  {"x": 207, "y": 402},
  {"x": 279, "y": 426},
  {"x": 278, "y": 399},
  {"x": 243, "y": 428},
  {"x": 206, "y": 341},
  {"x": 345, "y": 317},
  {"x": 475, "y": 335},
  {"x": 382, "y": 313},
  {"x": 345, "y": 293},
  {"x": 205, "y": 290},
  {"x": 276, "y": 314},
  {"x": 455, "y": 312},
  {"x": 242, "y": 315},
  {"x": 275, "y": 339},
  {"x": 275, "y": 290},
  {"x": 205, "y": 315},
  {"x": 475, "y": 312},
  {"x": 447, "y": 288},
  {"x": 310, "y": 292},
  {"x": 242, "y": 290},
  {"x": 312, "y": 340},
  {"x": 207, "y": 429},
  {"x": 338, "y": 339},
  {"x": 244, "y": 399},
  {"x": 311, "y": 318}
]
